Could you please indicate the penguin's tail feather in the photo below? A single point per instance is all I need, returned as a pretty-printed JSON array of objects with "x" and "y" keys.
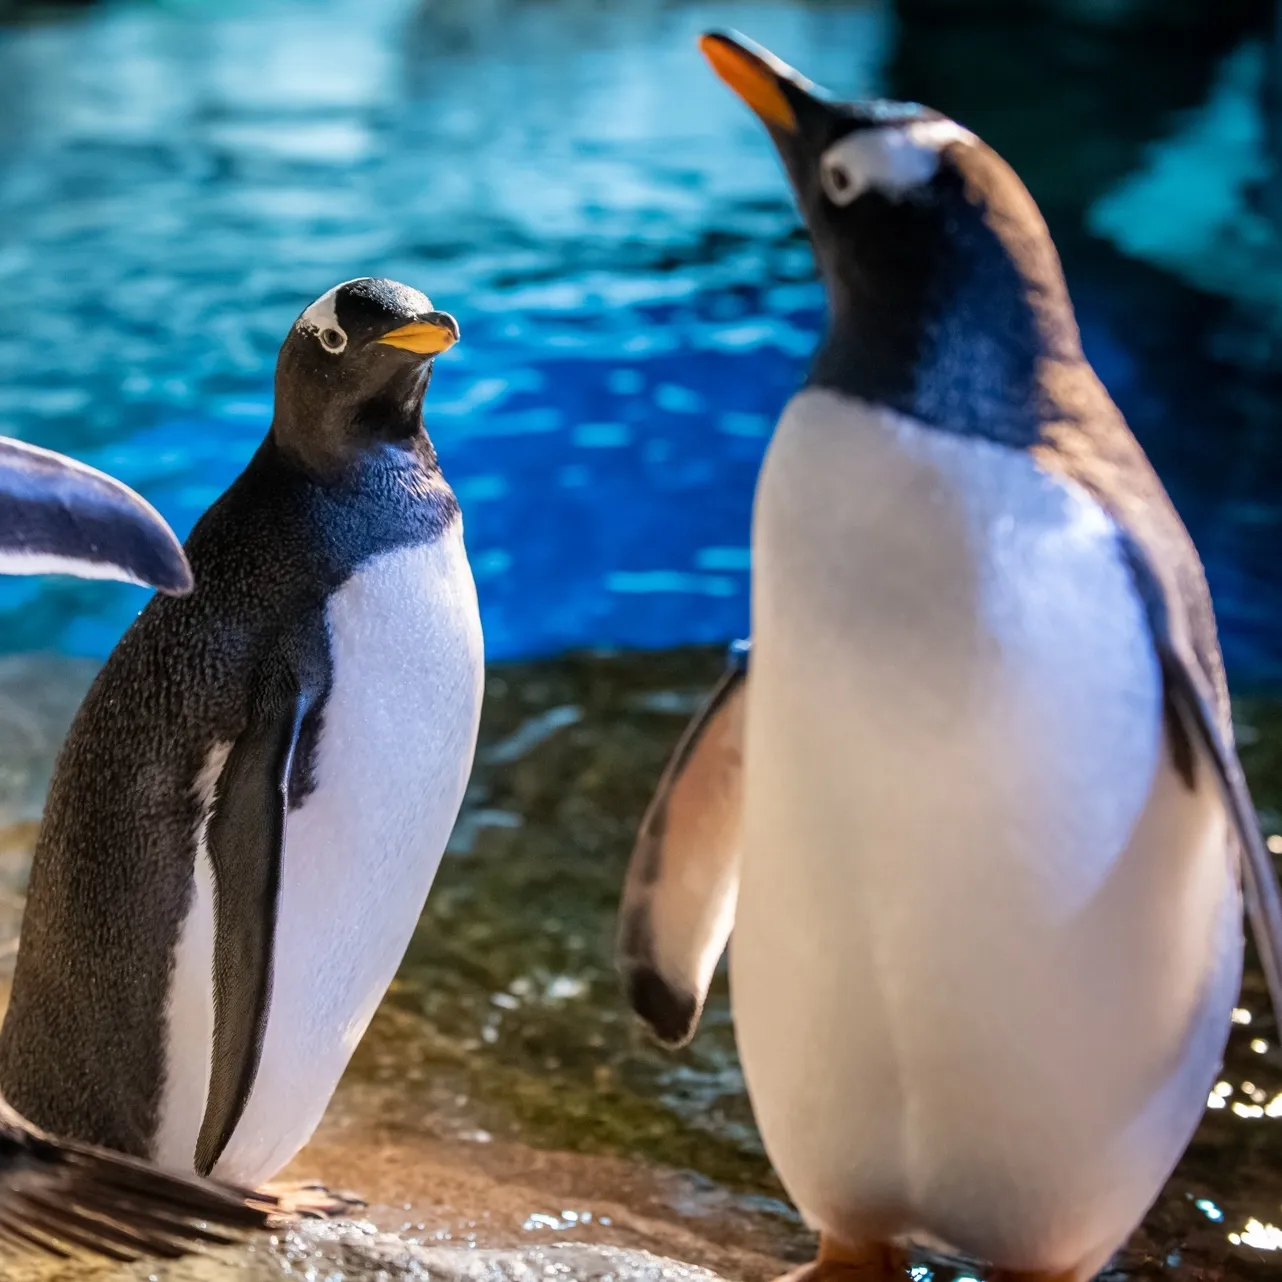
[{"x": 63, "y": 1199}]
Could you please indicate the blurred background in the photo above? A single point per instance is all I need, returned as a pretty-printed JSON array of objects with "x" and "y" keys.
[{"x": 178, "y": 180}]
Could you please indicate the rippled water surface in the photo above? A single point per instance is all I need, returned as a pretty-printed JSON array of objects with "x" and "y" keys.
[
  {"x": 176, "y": 183},
  {"x": 178, "y": 180}
]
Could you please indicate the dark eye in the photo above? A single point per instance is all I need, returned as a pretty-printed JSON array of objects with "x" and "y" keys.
[
  {"x": 838, "y": 180},
  {"x": 333, "y": 339}
]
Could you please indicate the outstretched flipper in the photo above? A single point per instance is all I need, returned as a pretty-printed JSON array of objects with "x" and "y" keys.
[
  {"x": 60, "y": 1198},
  {"x": 683, "y": 879},
  {"x": 58, "y": 516},
  {"x": 246, "y": 842}
]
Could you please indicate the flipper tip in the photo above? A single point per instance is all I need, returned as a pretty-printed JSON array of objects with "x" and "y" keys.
[{"x": 670, "y": 1014}]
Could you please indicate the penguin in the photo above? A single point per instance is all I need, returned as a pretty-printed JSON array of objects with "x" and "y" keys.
[
  {"x": 58, "y": 1197},
  {"x": 252, "y": 801},
  {"x": 985, "y": 868}
]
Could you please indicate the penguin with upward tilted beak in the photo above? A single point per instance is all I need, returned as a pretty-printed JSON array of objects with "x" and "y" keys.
[
  {"x": 59, "y": 1197},
  {"x": 974, "y": 810},
  {"x": 255, "y": 794}
]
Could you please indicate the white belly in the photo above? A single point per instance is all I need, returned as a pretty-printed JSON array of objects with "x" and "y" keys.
[
  {"x": 987, "y": 943},
  {"x": 395, "y": 752}
]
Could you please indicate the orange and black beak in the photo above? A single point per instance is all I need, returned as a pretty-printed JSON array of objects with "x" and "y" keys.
[
  {"x": 426, "y": 335},
  {"x": 798, "y": 114},
  {"x": 756, "y": 75},
  {"x": 789, "y": 105}
]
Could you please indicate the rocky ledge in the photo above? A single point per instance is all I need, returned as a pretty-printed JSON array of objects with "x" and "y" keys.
[{"x": 503, "y": 1116}]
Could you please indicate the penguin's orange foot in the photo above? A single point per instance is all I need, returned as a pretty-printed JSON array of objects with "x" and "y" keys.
[
  {"x": 872, "y": 1262},
  {"x": 309, "y": 1199}
]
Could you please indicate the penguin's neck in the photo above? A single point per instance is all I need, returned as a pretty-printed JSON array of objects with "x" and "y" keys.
[
  {"x": 394, "y": 412},
  {"x": 963, "y": 335},
  {"x": 956, "y": 370},
  {"x": 326, "y": 435}
]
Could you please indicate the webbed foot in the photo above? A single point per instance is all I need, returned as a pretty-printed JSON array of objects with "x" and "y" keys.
[
  {"x": 309, "y": 1199},
  {"x": 871, "y": 1262}
]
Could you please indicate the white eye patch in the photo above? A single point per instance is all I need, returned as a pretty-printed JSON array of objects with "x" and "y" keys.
[
  {"x": 322, "y": 319},
  {"x": 891, "y": 159}
]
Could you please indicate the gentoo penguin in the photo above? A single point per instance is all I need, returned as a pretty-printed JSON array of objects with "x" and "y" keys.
[
  {"x": 985, "y": 874},
  {"x": 57, "y": 1197},
  {"x": 255, "y": 794}
]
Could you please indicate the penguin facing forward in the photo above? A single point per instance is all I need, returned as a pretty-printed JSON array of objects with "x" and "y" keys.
[
  {"x": 58, "y": 1197},
  {"x": 984, "y": 879},
  {"x": 252, "y": 802}
]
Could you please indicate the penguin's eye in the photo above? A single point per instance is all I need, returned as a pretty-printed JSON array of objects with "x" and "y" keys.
[
  {"x": 838, "y": 182},
  {"x": 333, "y": 340}
]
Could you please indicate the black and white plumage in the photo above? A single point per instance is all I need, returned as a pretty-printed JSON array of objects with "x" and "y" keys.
[
  {"x": 993, "y": 830},
  {"x": 61, "y": 1198},
  {"x": 58, "y": 1197},
  {"x": 58, "y": 516},
  {"x": 683, "y": 878},
  {"x": 253, "y": 799}
]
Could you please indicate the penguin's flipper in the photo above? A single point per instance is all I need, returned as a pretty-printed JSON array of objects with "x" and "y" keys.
[
  {"x": 60, "y": 1198},
  {"x": 246, "y": 842},
  {"x": 683, "y": 879},
  {"x": 1199, "y": 729},
  {"x": 58, "y": 516}
]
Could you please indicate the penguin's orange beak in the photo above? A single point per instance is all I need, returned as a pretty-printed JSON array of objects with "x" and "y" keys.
[
  {"x": 428, "y": 336},
  {"x": 755, "y": 75}
]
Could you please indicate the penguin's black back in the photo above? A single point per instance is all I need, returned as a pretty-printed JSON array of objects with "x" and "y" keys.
[{"x": 83, "y": 1045}]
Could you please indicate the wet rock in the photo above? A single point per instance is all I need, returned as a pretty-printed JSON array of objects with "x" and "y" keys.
[
  {"x": 39, "y": 695},
  {"x": 502, "y": 1099},
  {"x": 504, "y": 1115},
  {"x": 360, "y": 1253}
]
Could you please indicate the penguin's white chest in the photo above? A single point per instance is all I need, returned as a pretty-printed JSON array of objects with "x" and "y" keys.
[
  {"x": 395, "y": 749},
  {"x": 987, "y": 939}
]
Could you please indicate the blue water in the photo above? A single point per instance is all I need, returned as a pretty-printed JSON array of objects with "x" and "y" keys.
[{"x": 178, "y": 181}]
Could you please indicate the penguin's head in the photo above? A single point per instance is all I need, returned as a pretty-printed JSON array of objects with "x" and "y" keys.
[
  {"x": 841, "y": 156},
  {"x": 923, "y": 234},
  {"x": 354, "y": 368}
]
